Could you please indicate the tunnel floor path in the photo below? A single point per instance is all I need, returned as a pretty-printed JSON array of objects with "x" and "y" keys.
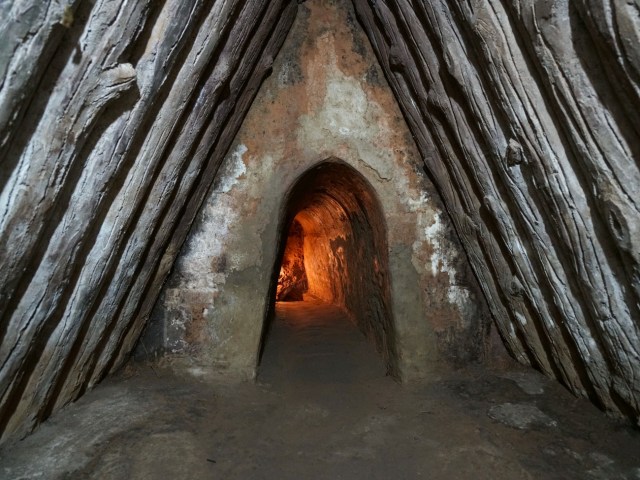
[
  {"x": 313, "y": 349},
  {"x": 322, "y": 408}
]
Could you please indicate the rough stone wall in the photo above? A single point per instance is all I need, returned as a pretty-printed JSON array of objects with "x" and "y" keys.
[
  {"x": 114, "y": 116},
  {"x": 292, "y": 278},
  {"x": 527, "y": 117},
  {"x": 327, "y": 98}
]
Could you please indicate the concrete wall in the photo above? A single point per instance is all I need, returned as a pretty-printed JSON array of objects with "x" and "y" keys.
[{"x": 326, "y": 98}]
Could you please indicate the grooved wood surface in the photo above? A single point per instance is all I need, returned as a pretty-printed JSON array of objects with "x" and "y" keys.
[
  {"x": 115, "y": 133},
  {"x": 526, "y": 117}
]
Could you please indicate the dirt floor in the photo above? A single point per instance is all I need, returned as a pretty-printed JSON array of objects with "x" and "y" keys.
[{"x": 322, "y": 408}]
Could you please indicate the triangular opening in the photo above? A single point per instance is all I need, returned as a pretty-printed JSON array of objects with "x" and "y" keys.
[{"x": 323, "y": 150}]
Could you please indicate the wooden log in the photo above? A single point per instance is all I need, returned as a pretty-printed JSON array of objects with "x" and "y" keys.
[
  {"x": 534, "y": 144},
  {"x": 136, "y": 170}
]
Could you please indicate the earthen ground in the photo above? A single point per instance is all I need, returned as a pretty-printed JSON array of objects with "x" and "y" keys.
[{"x": 322, "y": 408}]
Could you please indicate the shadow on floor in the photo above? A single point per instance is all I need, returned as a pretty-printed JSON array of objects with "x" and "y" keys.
[{"x": 322, "y": 408}]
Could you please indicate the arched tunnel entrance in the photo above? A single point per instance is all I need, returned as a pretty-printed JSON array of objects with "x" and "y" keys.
[{"x": 333, "y": 251}]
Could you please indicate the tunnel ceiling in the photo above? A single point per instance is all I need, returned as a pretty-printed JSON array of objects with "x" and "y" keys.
[{"x": 115, "y": 115}]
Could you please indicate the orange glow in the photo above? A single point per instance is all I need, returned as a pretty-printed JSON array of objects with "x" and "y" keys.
[
  {"x": 292, "y": 280},
  {"x": 312, "y": 256},
  {"x": 335, "y": 250}
]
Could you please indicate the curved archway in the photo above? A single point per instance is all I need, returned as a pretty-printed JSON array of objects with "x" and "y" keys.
[{"x": 333, "y": 247}]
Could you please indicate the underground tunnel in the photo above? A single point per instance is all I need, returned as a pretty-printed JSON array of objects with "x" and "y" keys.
[
  {"x": 460, "y": 181},
  {"x": 334, "y": 250}
]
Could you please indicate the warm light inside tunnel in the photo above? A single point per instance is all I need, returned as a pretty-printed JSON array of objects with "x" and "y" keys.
[
  {"x": 292, "y": 280},
  {"x": 333, "y": 250},
  {"x": 313, "y": 263},
  {"x": 320, "y": 236}
]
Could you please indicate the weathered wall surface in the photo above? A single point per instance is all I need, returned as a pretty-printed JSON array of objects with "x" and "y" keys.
[
  {"x": 104, "y": 163},
  {"x": 527, "y": 117},
  {"x": 326, "y": 98}
]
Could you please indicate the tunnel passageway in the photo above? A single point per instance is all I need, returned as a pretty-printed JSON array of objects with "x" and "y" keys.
[
  {"x": 331, "y": 272},
  {"x": 314, "y": 345}
]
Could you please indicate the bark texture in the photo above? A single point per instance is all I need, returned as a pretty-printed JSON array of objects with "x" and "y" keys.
[
  {"x": 114, "y": 118},
  {"x": 526, "y": 114}
]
